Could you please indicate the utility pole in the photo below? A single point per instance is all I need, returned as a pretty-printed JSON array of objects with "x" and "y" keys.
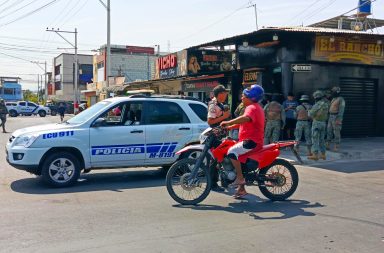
[
  {"x": 254, "y": 5},
  {"x": 108, "y": 51},
  {"x": 38, "y": 87},
  {"x": 45, "y": 76},
  {"x": 75, "y": 91}
]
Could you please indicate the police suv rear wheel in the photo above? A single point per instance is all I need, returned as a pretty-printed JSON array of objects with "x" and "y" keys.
[
  {"x": 42, "y": 113},
  {"x": 13, "y": 113},
  {"x": 60, "y": 169}
]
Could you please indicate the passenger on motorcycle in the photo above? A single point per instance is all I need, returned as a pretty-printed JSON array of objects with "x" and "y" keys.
[{"x": 251, "y": 132}]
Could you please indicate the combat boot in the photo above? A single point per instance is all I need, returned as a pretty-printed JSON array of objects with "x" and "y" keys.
[
  {"x": 314, "y": 157},
  {"x": 322, "y": 156}
]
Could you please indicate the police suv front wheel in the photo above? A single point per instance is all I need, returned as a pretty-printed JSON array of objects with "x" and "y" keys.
[{"x": 60, "y": 169}]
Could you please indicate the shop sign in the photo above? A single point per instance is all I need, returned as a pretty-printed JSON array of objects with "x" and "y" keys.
[
  {"x": 208, "y": 61},
  {"x": 250, "y": 75},
  {"x": 166, "y": 66},
  {"x": 205, "y": 85},
  {"x": 348, "y": 49}
]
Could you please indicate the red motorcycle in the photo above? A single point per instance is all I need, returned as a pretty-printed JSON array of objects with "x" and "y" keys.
[{"x": 188, "y": 180}]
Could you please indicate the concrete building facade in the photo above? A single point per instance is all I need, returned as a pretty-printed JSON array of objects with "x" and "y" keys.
[{"x": 64, "y": 76}]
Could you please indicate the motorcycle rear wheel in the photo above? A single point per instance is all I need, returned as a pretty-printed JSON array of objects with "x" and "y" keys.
[
  {"x": 177, "y": 182},
  {"x": 283, "y": 182}
]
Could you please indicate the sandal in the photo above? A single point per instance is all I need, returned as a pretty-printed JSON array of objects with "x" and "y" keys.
[
  {"x": 237, "y": 183},
  {"x": 239, "y": 195}
]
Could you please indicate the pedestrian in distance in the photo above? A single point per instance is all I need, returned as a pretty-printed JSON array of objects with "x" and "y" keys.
[
  {"x": 275, "y": 121},
  {"x": 3, "y": 114},
  {"x": 335, "y": 121},
  {"x": 303, "y": 124},
  {"x": 217, "y": 112},
  {"x": 61, "y": 110},
  {"x": 319, "y": 115},
  {"x": 290, "y": 105}
]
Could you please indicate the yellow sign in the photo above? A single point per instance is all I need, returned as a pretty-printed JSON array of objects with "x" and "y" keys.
[{"x": 348, "y": 49}]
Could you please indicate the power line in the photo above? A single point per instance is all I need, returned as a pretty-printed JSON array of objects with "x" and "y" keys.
[
  {"x": 303, "y": 11},
  {"x": 214, "y": 23},
  {"x": 12, "y": 5},
  {"x": 37, "y": 40},
  {"x": 6, "y": 1},
  {"x": 22, "y": 7},
  {"x": 319, "y": 10},
  {"x": 67, "y": 13},
  {"x": 81, "y": 7},
  {"x": 30, "y": 13}
]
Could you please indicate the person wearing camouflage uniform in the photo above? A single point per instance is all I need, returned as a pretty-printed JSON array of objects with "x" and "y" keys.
[
  {"x": 275, "y": 121},
  {"x": 303, "y": 124},
  {"x": 336, "y": 113},
  {"x": 319, "y": 115}
]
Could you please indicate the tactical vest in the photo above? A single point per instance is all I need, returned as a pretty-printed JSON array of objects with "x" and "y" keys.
[
  {"x": 274, "y": 111},
  {"x": 322, "y": 113},
  {"x": 302, "y": 112},
  {"x": 335, "y": 104}
]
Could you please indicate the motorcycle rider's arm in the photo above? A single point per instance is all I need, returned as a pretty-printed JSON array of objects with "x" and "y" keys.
[{"x": 238, "y": 121}]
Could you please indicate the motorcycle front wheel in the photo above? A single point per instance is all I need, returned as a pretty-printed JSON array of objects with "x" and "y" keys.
[
  {"x": 182, "y": 188},
  {"x": 279, "y": 180}
]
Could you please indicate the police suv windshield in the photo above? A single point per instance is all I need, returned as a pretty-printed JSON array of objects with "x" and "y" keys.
[{"x": 88, "y": 113}]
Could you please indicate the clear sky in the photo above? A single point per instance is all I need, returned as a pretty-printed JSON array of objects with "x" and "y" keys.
[{"x": 172, "y": 24}]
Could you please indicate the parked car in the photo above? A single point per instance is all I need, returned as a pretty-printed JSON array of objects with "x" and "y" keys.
[
  {"x": 53, "y": 109},
  {"x": 144, "y": 131},
  {"x": 26, "y": 108}
]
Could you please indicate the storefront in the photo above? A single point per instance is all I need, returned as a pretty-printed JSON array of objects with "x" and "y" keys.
[{"x": 304, "y": 59}]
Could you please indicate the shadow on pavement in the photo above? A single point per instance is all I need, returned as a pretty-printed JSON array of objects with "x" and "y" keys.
[
  {"x": 261, "y": 209},
  {"x": 352, "y": 166},
  {"x": 112, "y": 181}
]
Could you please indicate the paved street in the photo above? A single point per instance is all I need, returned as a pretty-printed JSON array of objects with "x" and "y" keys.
[{"x": 130, "y": 211}]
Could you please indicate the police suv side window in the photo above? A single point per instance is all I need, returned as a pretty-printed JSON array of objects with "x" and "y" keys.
[
  {"x": 201, "y": 111},
  {"x": 115, "y": 115},
  {"x": 22, "y": 103},
  {"x": 159, "y": 112},
  {"x": 31, "y": 104}
]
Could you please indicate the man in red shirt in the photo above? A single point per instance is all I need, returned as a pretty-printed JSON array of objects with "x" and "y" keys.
[{"x": 251, "y": 132}]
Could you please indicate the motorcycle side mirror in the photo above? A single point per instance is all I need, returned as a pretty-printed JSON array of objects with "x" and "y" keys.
[{"x": 99, "y": 122}]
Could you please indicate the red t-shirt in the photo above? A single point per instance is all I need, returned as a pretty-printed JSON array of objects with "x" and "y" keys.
[{"x": 254, "y": 129}]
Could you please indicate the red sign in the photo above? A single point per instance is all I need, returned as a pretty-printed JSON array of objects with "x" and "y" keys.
[
  {"x": 50, "y": 89},
  {"x": 167, "y": 62},
  {"x": 140, "y": 50}
]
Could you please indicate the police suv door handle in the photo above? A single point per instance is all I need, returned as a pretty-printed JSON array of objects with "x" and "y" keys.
[
  {"x": 136, "y": 131},
  {"x": 184, "y": 128}
]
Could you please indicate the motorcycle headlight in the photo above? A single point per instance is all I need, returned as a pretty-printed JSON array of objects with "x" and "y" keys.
[{"x": 25, "y": 140}]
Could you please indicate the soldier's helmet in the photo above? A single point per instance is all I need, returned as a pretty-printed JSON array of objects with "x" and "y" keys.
[
  {"x": 336, "y": 89},
  {"x": 318, "y": 94},
  {"x": 304, "y": 98}
]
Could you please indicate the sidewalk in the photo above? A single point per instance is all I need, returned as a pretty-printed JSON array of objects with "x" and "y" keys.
[{"x": 351, "y": 149}]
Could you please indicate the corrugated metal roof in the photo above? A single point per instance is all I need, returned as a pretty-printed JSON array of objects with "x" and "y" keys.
[{"x": 297, "y": 29}]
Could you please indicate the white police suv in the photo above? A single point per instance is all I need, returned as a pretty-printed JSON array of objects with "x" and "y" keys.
[{"x": 118, "y": 132}]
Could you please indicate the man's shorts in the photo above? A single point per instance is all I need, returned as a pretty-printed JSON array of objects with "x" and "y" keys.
[{"x": 241, "y": 148}]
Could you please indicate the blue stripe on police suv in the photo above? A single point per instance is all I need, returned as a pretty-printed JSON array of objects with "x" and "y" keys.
[{"x": 161, "y": 147}]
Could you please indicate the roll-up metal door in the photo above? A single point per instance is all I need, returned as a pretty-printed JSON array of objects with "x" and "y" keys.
[{"x": 361, "y": 104}]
